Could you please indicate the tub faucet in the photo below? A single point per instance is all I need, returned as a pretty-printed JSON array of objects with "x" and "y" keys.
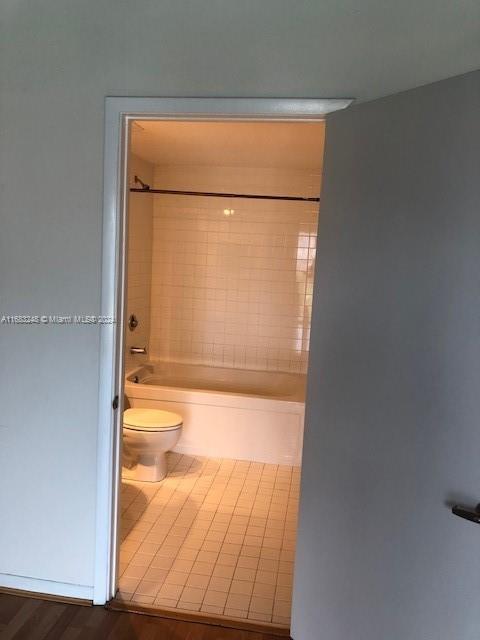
[{"x": 134, "y": 350}]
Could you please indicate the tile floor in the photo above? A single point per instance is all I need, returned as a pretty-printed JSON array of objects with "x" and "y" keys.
[{"x": 216, "y": 536}]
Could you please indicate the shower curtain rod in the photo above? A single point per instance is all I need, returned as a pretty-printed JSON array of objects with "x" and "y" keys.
[
  {"x": 145, "y": 188},
  {"x": 212, "y": 194}
]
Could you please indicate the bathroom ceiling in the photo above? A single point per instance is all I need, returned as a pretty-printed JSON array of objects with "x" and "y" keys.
[{"x": 286, "y": 145}]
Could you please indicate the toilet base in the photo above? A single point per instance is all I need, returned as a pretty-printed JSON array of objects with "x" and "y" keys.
[{"x": 146, "y": 468}]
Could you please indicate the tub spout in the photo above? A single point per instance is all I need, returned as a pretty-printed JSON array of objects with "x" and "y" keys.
[{"x": 134, "y": 350}]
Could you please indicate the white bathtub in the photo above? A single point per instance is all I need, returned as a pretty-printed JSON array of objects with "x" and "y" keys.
[{"x": 227, "y": 413}]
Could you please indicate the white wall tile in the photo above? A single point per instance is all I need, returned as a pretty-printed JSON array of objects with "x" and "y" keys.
[{"x": 232, "y": 290}]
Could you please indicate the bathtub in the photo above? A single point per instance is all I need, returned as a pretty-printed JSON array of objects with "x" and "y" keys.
[{"x": 227, "y": 413}]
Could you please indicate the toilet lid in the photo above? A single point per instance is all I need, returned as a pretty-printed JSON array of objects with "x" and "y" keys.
[{"x": 151, "y": 420}]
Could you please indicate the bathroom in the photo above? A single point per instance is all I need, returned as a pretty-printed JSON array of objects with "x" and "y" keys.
[{"x": 221, "y": 241}]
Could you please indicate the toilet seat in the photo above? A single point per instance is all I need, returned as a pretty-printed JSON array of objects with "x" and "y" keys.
[{"x": 151, "y": 420}]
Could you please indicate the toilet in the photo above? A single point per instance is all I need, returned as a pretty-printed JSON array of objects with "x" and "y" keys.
[{"x": 147, "y": 436}]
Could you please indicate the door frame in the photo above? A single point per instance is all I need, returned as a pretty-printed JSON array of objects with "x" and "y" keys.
[{"x": 119, "y": 113}]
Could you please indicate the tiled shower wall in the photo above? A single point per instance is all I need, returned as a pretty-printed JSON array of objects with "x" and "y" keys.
[
  {"x": 140, "y": 225},
  {"x": 232, "y": 279}
]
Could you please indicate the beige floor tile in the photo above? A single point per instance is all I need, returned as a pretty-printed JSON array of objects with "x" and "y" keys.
[
  {"x": 148, "y": 588},
  {"x": 288, "y": 545},
  {"x": 158, "y": 575},
  {"x": 216, "y": 535},
  {"x": 126, "y": 556},
  {"x": 205, "y": 516},
  {"x": 134, "y": 571},
  {"x": 242, "y": 573},
  {"x": 240, "y": 529},
  {"x": 182, "y": 565},
  {"x": 285, "y": 567},
  {"x": 128, "y": 585},
  {"x": 235, "y": 613},
  {"x": 155, "y": 537},
  {"x": 193, "y": 543},
  {"x": 197, "y": 580},
  {"x": 285, "y": 579},
  {"x": 173, "y": 542},
  {"x": 161, "y": 562},
  {"x": 159, "y": 529},
  {"x": 141, "y": 559},
  {"x": 219, "y": 584},
  {"x": 167, "y": 551},
  {"x": 187, "y": 554},
  {"x": 170, "y": 591},
  {"x": 272, "y": 543},
  {"x": 247, "y": 562},
  {"x": 261, "y": 605},
  {"x": 263, "y": 590},
  {"x": 192, "y": 594},
  {"x": 259, "y": 617},
  {"x": 282, "y": 608},
  {"x": 227, "y": 559},
  {"x": 207, "y": 608},
  {"x": 233, "y": 549},
  {"x": 219, "y": 528},
  {"x": 176, "y": 577},
  {"x": 136, "y": 536},
  {"x": 204, "y": 568},
  {"x": 142, "y": 526},
  {"x": 212, "y": 545},
  {"x": 241, "y": 587},
  {"x": 223, "y": 571},
  {"x": 149, "y": 548},
  {"x": 283, "y": 593},
  {"x": 255, "y": 531},
  {"x": 215, "y": 598},
  {"x": 266, "y": 577},
  {"x": 264, "y": 564},
  {"x": 142, "y": 599},
  {"x": 238, "y": 601},
  {"x": 189, "y": 606},
  {"x": 207, "y": 556},
  {"x": 273, "y": 533},
  {"x": 253, "y": 541},
  {"x": 130, "y": 545},
  {"x": 270, "y": 554},
  {"x": 234, "y": 538}
]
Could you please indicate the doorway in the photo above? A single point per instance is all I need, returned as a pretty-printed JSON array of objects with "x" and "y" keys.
[{"x": 227, "y": 485}]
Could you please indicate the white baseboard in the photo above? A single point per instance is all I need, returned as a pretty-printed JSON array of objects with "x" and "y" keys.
[{"x": 50, "y": 587}]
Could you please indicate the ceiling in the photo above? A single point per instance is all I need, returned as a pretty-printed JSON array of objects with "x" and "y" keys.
[
  {"x": 280, "y": 145},
  {"x": 361, "y": 49}
]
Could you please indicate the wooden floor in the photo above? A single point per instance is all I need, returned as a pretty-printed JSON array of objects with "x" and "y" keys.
[{"x": 32, "y": 619}]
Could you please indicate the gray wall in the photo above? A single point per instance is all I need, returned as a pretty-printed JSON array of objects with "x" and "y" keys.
[{"x": 392, "y": 428}]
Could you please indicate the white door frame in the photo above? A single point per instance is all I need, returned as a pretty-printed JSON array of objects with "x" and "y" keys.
[{"x": 119, "y": 113}]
